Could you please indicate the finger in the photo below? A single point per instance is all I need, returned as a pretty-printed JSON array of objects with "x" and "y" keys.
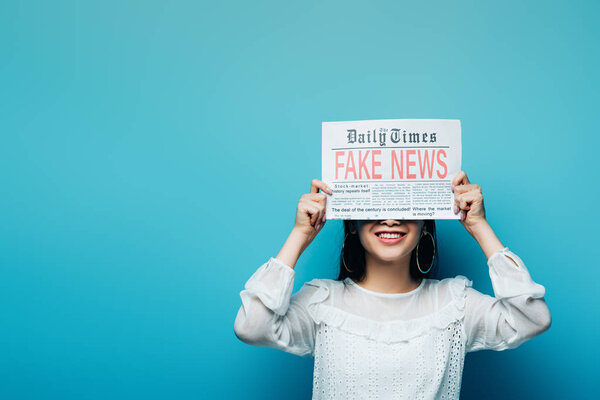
[
  {"x": 319, "y": 222},
  {"x": 323, "y": 215},
  {"x": 317, "y": 184},
  {"x": 463, "y": 201},
  {"x": 319, "y": 225},
  {"x": 460, "y": 179},
  {"x": 313, "y": 210},
  {"x": 320, "y": 198},
  {"x": 308, "y": 208},
  {"x": 467, "y": 188},
  {"x": 321, "y": 207},
  {"x": 457, "y": 199}
]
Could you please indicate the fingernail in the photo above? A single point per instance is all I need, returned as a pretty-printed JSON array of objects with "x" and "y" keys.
[
  {"x": 318, "y": 226},
  {"x": 323, "y": 219},
  {"x": 329, "y": 190},
  {"x": 452, "y": 188},
  {"x": 462, "y": 216},
  {"x": 455, "y": 209}
]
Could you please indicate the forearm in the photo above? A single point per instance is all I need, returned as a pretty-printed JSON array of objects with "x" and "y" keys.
[
  {"x": 487, "y": 239},
  {"x": 271, "y": 316},
  {"x": 293, "y": 247}
]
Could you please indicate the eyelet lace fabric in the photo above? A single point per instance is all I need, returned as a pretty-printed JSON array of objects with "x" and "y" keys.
[
  {"x": 370, "y": 345},
  {"x": 426, "y": 367},
  {"x": 419, "y": 358}
]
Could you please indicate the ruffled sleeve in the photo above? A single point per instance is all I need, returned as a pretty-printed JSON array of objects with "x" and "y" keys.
[
  {"x": 271, "y": 316},
  {"x": 517, "y": 313}
]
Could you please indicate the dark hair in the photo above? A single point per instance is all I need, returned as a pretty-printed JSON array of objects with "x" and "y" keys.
[{"x": 354, "y": 254}]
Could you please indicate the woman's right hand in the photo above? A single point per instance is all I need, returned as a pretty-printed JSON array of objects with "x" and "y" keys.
[{"x": 310, "y": 213}]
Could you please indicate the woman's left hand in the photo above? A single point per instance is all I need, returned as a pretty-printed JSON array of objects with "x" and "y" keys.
[{"x": 468, "y": 200}]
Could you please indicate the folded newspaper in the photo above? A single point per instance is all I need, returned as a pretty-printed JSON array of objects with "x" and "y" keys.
[{"x": 391, "y": 168}]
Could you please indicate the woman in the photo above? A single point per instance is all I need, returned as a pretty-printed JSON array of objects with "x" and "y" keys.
[{"x": 385, "y": 328}]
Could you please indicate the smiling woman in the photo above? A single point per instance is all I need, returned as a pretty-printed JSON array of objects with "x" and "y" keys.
[
  {"x": 408, "y": 258},
  {"x": 385, "y": 328}
]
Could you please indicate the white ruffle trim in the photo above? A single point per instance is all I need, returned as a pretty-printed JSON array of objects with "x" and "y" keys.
[{"x": 388, "y": 331}]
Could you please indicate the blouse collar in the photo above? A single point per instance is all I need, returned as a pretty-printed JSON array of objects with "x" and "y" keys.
[{"x": 380, "y": 294}]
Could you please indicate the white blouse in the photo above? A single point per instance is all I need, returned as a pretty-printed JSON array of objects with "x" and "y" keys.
[{"x": 371, "y": 345}]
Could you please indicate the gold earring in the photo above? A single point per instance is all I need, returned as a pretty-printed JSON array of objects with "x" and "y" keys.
[{"x": 433, "y": 241}]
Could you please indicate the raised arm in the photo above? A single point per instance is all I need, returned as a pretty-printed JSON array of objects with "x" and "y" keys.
[
  {"x": 270, "y": 316},
  {"x": 518, "y": 311}
]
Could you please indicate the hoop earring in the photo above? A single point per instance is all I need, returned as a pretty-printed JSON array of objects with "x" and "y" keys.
[
  {"x": 433, "y": 258},
  {"x": 343, "y": 259}
]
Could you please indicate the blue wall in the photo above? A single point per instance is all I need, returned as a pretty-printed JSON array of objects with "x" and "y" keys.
[{"x": 152, "y": 155}]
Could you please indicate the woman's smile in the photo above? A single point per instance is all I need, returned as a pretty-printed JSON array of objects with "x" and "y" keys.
[
  {"x": 390, "y": 237},
  {"x": 389, "y": 240}
]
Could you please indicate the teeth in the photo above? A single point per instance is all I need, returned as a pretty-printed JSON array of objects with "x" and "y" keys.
[{"x": 390, "y": 235}]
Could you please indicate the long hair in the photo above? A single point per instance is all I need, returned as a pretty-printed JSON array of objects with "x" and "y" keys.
[{"x": 353, "y": 254}]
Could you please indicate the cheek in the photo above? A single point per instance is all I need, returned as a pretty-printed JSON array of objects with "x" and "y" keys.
[
  {"x": 370, "y": 242},
  {"x": 413, "y": 241},
  {"x": 364, "y": 240}
]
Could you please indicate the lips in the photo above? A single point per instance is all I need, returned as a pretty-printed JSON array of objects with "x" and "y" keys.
[
  {"x": 390, "y": 237},
  {"x": 390, "y": 232},
  {"x": 390, "y": 240}
]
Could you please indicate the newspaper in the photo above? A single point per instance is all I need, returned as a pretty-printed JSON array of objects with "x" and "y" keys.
[{"x": 391, "y": 168}]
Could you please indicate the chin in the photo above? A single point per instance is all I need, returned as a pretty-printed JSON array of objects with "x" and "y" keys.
[{"x": 391, "y": 254}]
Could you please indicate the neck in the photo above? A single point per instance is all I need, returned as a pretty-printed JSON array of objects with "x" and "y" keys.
[{"x": 388, "y": 276}]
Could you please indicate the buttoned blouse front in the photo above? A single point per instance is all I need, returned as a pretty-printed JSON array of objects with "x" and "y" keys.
[{"x": 371, "y": 345}]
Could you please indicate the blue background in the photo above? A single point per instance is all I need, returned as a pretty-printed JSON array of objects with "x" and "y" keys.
[{"x": 153, "y": 154}]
